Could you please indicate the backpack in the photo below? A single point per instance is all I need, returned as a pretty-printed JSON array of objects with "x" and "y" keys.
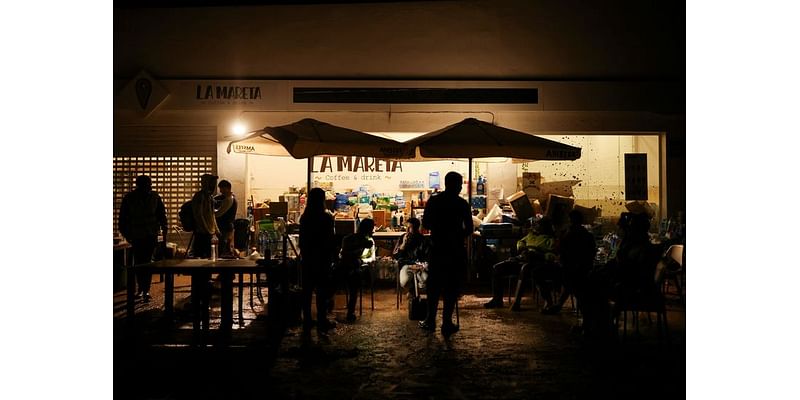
[{"x": 186, "y": 216}]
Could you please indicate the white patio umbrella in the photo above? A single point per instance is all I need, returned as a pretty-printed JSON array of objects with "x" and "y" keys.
[
  {"x": 308, "y": 138},
  {"x": 473, "y": 138}
]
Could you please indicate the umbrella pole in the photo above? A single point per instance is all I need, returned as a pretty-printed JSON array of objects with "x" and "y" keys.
[
  {"x": 469, "y": 183},
  {"x": 247, "y": 176},
  {"x": 308, "y": 176},
  {"x": 471, "y": 261}
]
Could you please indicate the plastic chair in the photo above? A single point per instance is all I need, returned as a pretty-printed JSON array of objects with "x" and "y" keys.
[
  {"x": 674, "y": 258},
  {"x": 647, "y": 298}
]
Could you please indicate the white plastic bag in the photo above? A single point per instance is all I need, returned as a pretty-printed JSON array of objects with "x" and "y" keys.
[{"x": 494, "y": 213}]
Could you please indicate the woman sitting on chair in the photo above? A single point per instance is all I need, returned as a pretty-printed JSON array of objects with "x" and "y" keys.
[
  {"x": 358, "y": 250},
  {"x": 409, "y": 250}
]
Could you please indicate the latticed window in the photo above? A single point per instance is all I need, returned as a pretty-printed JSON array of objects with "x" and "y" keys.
[
  {"x": 175, "y": 179},
  {"x": 174, "y": 157}
]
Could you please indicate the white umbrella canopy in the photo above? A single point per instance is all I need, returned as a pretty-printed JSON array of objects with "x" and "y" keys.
[
  {"x": 309, "y": 137},
  {"x": 472, "y": 138}
]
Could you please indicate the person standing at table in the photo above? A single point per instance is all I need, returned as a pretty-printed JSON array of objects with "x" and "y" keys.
[
  {"x": 449, "y": 220},
  {"x": 317, "y": 249},
  {"x": 141, "y": 215},
  {"x": 225, "y": 215},
  {"x": 204, "y": 221}
]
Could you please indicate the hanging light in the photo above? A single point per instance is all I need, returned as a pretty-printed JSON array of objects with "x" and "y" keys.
[{"x": 239, "y": 129}]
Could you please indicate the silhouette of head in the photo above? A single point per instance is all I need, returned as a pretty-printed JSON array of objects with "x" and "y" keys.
[
  {"x": 316, "y": 199},
  {"x": 413, "y": 223},
  {"x": 144, "y": 183},
  {"x": 575, "y": 217},
  {"x": 452, "y": 182},
  {"x": 366, "y": 226},
  {"x": 208, "y": 183},
  {"x": 224, "y": 187},
  {"x": 639, "y": 225},
  {"x": 545, "y": 226}
]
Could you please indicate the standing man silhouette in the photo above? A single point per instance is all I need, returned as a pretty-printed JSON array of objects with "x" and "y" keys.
[
  {"x": 141, "y": 216},
  {"x": 448, "y": 218},
  {"x": 317, "y": 249}
]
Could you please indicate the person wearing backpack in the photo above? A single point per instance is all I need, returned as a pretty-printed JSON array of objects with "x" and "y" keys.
[
  {"x": 225, "y": 206},
  {"x": 205, "y": 223},
  {"x": 141, "y": 215}
]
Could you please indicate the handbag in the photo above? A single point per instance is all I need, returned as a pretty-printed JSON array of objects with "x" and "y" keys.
[{"x": 417, "y": 307}]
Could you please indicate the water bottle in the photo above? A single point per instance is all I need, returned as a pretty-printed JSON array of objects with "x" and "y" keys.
[
  {"x": 480, "y": 188},
  {"x": 214, "y": 243},
  {"x": 268, "y": 245},
  {"x": 262, "y": 244}
]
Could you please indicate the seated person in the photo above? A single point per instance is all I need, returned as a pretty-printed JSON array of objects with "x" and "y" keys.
[
  {"x": 576, "y": 251},
  {"x": 536, "y": 247},
  {"x": 358, "y": 250},
  {"x": 632, "y": 265},
  {"x": 405, "y": 251},
  {"x": 541, "y": 265},
  {"x": 410, "y": 249},
  {"x": 633, "y": 268}
]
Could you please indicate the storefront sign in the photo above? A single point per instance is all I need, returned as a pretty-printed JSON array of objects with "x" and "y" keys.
[
  {"x": 222, "y": 94},
  {"x": 244, "y": 148},
  {"x": 219, "y": 93},
  {"x": 357, "y": 164},
  {"x": 143, "y": 94}
]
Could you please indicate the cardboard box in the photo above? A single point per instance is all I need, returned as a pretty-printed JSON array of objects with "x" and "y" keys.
[
  {"x": 589, "y": 214},
  {"x": 260, "y": 213},
  {"x": 278, "y": 209},
  {"x": 379, "y": 216},
  {"x": 344, "y": 226},
  {"x": 521, "y": 205},
  {"x": 531, "y": 179},
  {"x": 558, "y": 208}
]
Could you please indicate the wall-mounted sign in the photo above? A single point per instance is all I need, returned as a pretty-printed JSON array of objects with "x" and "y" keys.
[
  {"x": 357, "y": 164},
  {"x": 635, "y": 176},
  {"x": 142, "y": 93},
  {"x": 226, "y": 94},
  {"x": 222, "y": 95}
]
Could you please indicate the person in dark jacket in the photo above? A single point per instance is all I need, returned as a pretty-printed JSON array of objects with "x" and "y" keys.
[
  {"x": 358, "y": 250},
  {"x": 576, "y": 251},
  {"x": 141, "y": 215},
  {"x": 317, "y": 249},
  {"x": 448, "y": 217},
  {"x": 225, "y": 213}
]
